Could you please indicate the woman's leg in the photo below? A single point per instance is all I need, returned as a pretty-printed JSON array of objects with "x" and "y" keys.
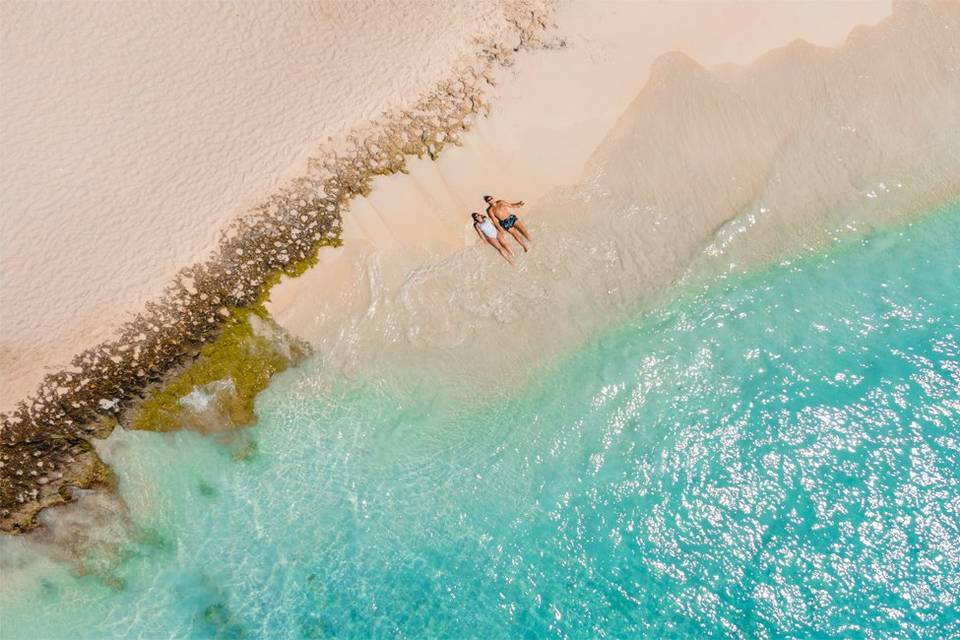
[
  {"x": 504, "y": 250},
  {"x": 518, "y": 237},
  {"x": 501, "y": 240},
  {"x": 496, "y": 244}
]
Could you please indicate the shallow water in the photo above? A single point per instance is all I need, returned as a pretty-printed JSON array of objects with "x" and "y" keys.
[{"x": 776, "y": 456}]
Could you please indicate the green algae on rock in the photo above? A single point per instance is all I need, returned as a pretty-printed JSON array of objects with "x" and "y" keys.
[
  {"x": 41, "y": 475},
  {"x": 217, "y": 390}
]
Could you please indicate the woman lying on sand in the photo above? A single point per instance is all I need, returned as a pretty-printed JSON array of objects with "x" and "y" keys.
[{"x": 488, "y": 231}]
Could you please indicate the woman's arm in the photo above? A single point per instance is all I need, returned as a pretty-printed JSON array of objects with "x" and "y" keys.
[{"x": 476, "y": 228}]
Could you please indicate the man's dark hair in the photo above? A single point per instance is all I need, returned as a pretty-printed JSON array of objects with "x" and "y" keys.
[{"x": 487, "y": 198}]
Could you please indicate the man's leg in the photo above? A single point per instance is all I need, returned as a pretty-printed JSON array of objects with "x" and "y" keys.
[
  {"x": 522, "y": 227},
  {"x": 518, "y": 237}
]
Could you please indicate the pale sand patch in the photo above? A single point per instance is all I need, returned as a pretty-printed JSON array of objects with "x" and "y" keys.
[
  {"x": 552, "y": 110},
  {"x": 132, "y": 132}
]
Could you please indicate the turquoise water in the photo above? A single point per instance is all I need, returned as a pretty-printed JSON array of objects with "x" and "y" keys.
[{"x": 778, "y": 456}]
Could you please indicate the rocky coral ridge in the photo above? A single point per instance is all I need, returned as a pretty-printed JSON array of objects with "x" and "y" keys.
[
  {"x": 215, "y": 392},
  {"x": 45, "y": 443}
]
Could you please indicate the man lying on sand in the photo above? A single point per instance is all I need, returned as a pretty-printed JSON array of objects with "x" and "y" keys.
[
  {"x": 499, "y": 210},
  {"x": 489, "y": 231}
]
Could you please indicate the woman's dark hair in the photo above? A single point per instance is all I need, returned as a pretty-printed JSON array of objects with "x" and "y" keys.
[{"x": 474, "y": 215}]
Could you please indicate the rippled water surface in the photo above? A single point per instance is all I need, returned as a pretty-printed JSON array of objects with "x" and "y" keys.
[{"x": 776, "y": 457}]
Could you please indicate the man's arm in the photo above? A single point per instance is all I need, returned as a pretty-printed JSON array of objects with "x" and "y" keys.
[{"x": 519, "y": 203}]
